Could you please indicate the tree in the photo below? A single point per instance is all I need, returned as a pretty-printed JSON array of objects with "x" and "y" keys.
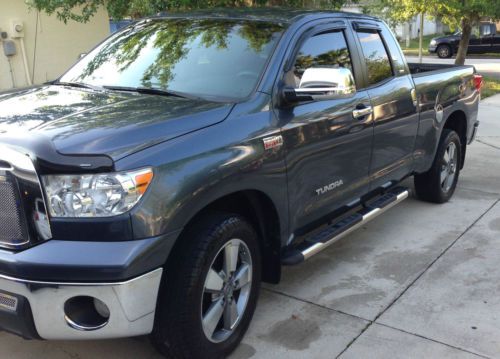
[
  {"x": 455, "y": 13},
  {"x": 83, "y": 10},
  {"x": 400, "y": 11},
  {"x": 466, "y": 14}
]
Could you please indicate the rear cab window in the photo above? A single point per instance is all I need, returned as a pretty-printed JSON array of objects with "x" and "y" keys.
[
  {"x": 398, "y": 61},
  {"x": 378, "y": 63}
]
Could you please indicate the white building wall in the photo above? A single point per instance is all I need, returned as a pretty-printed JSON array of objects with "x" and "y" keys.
[{"x": 51, "y": 47}]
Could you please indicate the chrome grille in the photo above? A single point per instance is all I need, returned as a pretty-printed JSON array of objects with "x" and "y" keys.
[
  {"x": 23, "y": 218},
  {"x": 8, "y": 302},
  {"x": 12, "y": 227}
]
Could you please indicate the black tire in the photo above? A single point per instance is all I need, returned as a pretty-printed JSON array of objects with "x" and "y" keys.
[
  {"x": 444, "y": 51},
  {"x": 179, "y": 329},
  {"x": 429, "y": 186}
]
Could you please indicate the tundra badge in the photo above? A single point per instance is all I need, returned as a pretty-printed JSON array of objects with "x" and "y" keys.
[{"x": 329, "y": 187}]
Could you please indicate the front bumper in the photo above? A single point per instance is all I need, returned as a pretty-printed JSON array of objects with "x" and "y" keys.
[
  {"x": 35, "y": 308},
  {"x": 432, "y": 49}
]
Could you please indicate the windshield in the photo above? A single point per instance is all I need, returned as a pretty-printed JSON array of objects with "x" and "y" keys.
[{"x": 210, "y": 58}]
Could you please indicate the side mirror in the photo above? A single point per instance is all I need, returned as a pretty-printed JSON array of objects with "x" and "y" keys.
[{"x": 322, "y": 83}]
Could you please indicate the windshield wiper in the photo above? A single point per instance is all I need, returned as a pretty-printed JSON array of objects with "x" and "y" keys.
[
  {"x": 152, "y": 91},
  {"x": 78, "y": 85}
]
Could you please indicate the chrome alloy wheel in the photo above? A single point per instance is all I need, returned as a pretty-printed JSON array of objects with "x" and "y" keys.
[
  {"x": 226, "y": 291},
  {"x": 443, "y": 51},
  {"x": 449, "y": 166}
]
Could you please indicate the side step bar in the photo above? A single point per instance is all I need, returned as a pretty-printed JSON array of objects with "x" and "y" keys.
[{"x": 319, "y": 241}]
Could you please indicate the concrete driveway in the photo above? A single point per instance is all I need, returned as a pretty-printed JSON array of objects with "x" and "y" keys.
[{"x": 422, "y": 280}]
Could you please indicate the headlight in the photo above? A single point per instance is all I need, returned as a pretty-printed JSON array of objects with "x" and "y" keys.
[
  {"x": 95, "y": 195},
  {"x": 433, "y": 42}
]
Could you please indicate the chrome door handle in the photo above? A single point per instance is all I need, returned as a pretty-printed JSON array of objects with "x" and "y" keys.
[{"x": 362, "y": 112}]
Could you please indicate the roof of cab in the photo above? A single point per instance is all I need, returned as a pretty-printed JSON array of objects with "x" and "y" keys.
[{"x": 269, "y": 14}]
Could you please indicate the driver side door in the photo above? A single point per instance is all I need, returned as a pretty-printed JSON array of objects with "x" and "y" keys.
[{"x": 328, "y": 142}]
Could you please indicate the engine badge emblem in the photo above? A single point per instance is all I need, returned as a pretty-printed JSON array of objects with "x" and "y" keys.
[{"x": 273, "y": 142}]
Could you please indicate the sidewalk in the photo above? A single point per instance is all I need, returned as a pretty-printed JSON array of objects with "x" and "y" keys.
[{"x": 490, "y": 117}]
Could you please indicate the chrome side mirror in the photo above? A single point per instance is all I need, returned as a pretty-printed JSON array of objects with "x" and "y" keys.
[{"x": 322, "y": 83}]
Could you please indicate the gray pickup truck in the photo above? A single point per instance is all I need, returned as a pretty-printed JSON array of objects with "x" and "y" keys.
[{"x": 186, "y": 158}]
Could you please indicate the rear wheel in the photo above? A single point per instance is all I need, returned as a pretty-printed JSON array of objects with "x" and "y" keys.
[
  {"x": 211, "y": 289},
  {"x": 439, "y": 183},
  {"x": 444, "y": 51}
]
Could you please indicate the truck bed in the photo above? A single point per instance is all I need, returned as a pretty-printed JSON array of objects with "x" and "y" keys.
[
  {"x": 416, "y": 69},
  {"x": 441, "y": 90}
]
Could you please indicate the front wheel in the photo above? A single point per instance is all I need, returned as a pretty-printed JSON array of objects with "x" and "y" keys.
[
  {"x": 438, "y": 184},
  {"x": 211, "y": 289},
  {"x": 444, "y": 51}
]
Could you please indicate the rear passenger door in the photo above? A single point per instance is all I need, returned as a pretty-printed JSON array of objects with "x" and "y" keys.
[{"x": 393, "y": 99}]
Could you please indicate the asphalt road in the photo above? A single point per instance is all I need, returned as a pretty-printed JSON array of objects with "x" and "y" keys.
[
  {"x": 420, "y": 281},
  {"x": 485, "y": 66}
]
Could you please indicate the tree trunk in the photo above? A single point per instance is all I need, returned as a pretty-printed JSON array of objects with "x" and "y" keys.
[{"x": 464, "y": 41}]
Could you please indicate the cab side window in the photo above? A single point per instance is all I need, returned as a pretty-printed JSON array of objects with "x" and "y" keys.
[
  {"x": 376, "y": 58},
  {"x": 394, "y": 51},
  {"x": 485, "y": 30},
  {"x": 325, "y": 50}
]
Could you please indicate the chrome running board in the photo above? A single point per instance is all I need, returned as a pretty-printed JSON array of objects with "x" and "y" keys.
[{"x": 326, "y": 237}]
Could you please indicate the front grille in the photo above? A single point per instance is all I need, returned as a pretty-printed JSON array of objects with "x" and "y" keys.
[
  {"x": 13, "y": 229},
  {"x": 23, "y": 216},
  {"x": 8, "y": 302}
]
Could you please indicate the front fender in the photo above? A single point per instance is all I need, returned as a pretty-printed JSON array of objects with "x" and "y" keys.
[{"x": 196, "y": 169}]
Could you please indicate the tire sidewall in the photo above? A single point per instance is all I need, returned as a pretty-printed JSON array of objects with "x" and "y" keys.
[
  {"x": 229, "y": 227},
  {"x": 245, "y": 233},
  {"x": 449, "y": 51},
  {"x": 450, "y": 136}
]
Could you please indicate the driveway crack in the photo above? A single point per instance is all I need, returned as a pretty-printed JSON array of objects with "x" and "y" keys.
[
  {"x": 316, "y": 304},
  {"x": 416, "y": 279},
  {"x": 433, "y": 340},
  {"x": 488, "y": 144}
]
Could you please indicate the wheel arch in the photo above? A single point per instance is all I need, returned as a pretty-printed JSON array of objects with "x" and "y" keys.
[
  {"x": 259, "y": 209},
  {"x": 457, "y": 121}
]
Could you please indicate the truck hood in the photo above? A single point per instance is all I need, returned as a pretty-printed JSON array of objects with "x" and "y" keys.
[{"x": 88, "y": 122}]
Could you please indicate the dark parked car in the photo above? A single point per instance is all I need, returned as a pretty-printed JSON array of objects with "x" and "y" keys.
[
  {"x": 484, "y": 39},
  {"x": 152, "y": 187}
]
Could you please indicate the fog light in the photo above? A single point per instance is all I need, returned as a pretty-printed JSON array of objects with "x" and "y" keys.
[{"x": 86, "y": 313}]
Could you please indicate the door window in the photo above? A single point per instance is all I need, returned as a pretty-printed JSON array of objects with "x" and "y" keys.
[
  {"x": 394, "y": 51},
  {"x": 325, "y": 50},
  {"x": 376, "y": 58},
  {"x": 485, "y": 30}
]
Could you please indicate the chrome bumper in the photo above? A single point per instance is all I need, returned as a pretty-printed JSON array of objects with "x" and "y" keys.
[{"x": 131, "y": 305}]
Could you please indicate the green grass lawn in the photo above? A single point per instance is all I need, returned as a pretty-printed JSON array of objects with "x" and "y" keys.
[
  {"x": 491, "y": 87},
  {"x": 413, "y": 48},
  {"x": 414, "y": 42}
]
